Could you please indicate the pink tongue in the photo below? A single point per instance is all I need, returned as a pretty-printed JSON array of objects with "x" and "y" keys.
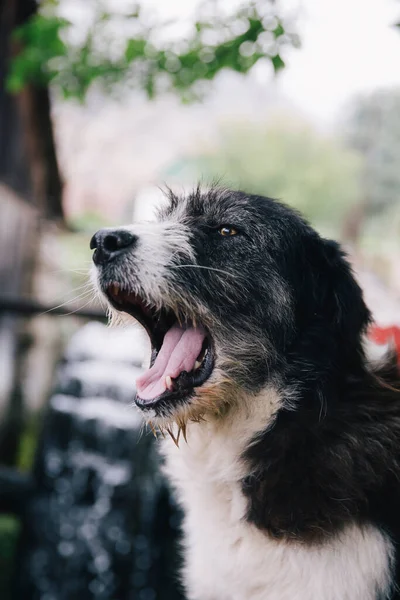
[{"x": 179, "y": 352}]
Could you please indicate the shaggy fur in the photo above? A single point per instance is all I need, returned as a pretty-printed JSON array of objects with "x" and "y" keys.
[{"x": 290, "y": 473}]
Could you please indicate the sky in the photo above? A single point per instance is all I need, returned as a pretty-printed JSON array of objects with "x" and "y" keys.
[{"x": 348, "y": 47}]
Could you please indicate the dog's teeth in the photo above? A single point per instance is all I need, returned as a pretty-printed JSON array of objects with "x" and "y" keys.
[
  {"x": 169, "y": 384},
  {"x": 197, "y": 364},
  {"x": 115, "y": 290}
]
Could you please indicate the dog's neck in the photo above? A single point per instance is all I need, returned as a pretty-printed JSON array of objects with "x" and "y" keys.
[{"x": 215, "y": 445}]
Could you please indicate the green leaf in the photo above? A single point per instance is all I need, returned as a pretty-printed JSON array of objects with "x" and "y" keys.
[
  {"x": 105, "y": 16},
  {"x": 277, "y": 63},
  {"x": 135, "y": 48},
  {"x": 278, "y": 31}
]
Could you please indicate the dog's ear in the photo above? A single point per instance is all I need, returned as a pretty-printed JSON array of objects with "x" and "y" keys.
[{"x": 337, "y": 296}]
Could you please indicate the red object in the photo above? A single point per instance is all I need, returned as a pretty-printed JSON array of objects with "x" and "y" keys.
[{"x": 386, "y": 335}]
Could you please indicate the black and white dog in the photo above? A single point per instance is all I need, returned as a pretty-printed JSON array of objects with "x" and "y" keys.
[{"x": 288, "y": 459}]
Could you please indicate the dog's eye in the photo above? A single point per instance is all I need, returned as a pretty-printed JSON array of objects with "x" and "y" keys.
[{"x": 227, "y": 231}]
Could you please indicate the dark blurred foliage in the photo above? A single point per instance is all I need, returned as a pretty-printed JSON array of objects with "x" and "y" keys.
[
  {"x": 9, "y": 532},
  {"x": 134, "y": 49}
]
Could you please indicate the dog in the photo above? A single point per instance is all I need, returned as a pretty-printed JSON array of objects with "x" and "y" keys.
[{"x": 287, "y": 438}]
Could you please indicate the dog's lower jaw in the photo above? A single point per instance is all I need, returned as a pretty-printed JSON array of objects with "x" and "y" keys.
[
  {"x": 228, "y": 558},
  {"x": 211, "y": 402}
]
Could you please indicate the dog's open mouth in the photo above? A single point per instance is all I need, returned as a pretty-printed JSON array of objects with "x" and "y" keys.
[{"x": 182, "y": 354}]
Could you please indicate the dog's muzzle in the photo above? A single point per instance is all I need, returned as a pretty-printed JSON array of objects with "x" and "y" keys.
[{"x": 182, "y": 350}]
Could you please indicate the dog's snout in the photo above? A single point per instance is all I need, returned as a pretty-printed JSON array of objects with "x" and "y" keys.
[{"x": 108, "y": 244}]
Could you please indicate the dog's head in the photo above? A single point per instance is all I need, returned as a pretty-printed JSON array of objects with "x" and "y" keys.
[{"x": 235, "y": 291}]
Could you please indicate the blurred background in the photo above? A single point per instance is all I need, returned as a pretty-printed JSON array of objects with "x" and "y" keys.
[{"x": 102, "y": 103}]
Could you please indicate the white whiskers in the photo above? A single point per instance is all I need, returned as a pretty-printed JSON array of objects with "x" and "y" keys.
[{"x": 202, "y": 267}]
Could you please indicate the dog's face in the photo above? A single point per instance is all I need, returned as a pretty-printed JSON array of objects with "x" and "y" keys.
[{"x": 227, "y": 286}]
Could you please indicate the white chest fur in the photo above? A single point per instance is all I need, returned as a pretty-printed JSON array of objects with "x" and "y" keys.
[{"x": 228, "y": 559}]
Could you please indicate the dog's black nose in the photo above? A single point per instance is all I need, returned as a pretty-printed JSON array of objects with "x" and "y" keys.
[{"x": 109, "y": 243}]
